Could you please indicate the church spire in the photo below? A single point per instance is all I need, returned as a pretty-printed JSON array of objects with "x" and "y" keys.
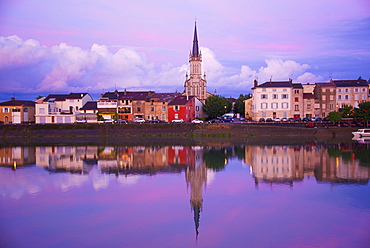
[{"x": 195, "y": 51}]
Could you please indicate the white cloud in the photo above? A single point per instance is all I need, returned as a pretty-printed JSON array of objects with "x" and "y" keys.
[{"x": 64, "y": 68}]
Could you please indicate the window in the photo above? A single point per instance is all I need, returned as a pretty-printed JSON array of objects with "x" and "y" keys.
[
  {"x": 339, "y": 90},
  {"x": 346, "y": 90},
  {"x": 264, "y": 90},
  {"x": 323, "y": 106},
  {"x": 264, "y": 96},
  {"x": 284, "y": 105},
  {"x": 152, "y": 109},
  {"x": 339, "y": 97},
  {"x": 324, "y": 98},
  {"x": 6, "y": 110},
  {"x": 42, "y": 110},
  {"x": 274, "y": 90},
  {"x": 138, "y": 109},
  {"x": 296, "y": 107},
  {"x": 284, "y": 89},
  {"x": 176, "y": 116},
  {"x": 176, "y": 108},
  {"x": 331, "y": 89},
  {"x": 331, "y": 97},
  {"x": 364, "y": 97},
  {"x": 263, "y": 105},
  {"x": 363, "y": 90},
  {"x": 331, "y": 106},
  {"x": 308, "y": 106},
  {"x": 323, "y": 90},
  {"x": 274, "y": 105},
  {"x": 138, "y": 103},
  {"x": 284, "y": 96},
  {"x": 296, "y": 91},
  {"x": 356, "y": 97},
  {"x": 346, "y": 97},
  {"x": 71, "y": 100},
  {"x": 275, "y": 96},
  {"x": 197, "y": 108},
  {"x": 264, "y": 114},
  {"x": 296, "y": 99},
  {"x": 163, "y": 108},
  {"x": 356, "y": 90},
  {"x": 25, "y": 110},
  {"x": 16, "y": 110}
]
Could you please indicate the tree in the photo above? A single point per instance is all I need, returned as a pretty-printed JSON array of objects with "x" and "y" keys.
[
  {"x": 334, "y": 116},
  {"x": 363, "y": 112},
  {"x": 239, "y": 106},
  {"x": 216, "y": 106},
  {"x": 347, "y": 111}
]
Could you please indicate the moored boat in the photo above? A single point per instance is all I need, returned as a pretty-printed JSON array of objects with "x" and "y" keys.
[{"x": 365, "y": 132}]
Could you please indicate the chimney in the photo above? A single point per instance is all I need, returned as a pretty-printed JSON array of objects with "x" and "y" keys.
[
  {"x": 12, "y": 99},
  {"x": 255, "y": 83}
]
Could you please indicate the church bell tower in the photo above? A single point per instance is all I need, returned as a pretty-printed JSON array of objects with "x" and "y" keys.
[{"x": 195, "y": 84}]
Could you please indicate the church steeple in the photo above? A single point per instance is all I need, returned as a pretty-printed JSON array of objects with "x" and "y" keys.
[
  {"x": 195, "y": 51},
  {"x": 194, "y": 84}
]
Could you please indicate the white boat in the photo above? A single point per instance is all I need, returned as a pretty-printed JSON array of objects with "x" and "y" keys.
[{"x": 361, "y": 133}]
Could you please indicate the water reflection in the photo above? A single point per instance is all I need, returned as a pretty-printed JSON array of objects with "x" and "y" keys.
[
  {"x": 341, "y": 163},
  {"x": 347, "y": 163}
]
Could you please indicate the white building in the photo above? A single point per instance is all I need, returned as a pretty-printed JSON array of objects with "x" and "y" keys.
[{"x": 60, "y": 108}]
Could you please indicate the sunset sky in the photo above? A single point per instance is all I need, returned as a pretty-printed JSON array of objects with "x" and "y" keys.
[{"x": 97, "y": 46}]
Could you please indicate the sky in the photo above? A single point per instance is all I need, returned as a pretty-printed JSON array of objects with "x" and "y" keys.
[{"x": 97, "y": 46}]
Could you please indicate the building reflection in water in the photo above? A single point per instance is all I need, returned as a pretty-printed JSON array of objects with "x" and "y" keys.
[
  {"x": 269, "y": 164},
  {"x": 289, "y": 164}
]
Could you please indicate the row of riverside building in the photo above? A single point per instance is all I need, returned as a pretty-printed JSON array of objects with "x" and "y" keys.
[
  {"x": 269, "y": 100},
  {"x": 129, "y": 105},
  {"x": 295, "y": 100}
]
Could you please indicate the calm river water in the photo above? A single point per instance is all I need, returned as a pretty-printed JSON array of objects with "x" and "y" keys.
[{"x": 306, "y": 195}]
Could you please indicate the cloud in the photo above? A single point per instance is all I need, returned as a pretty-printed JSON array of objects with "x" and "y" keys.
[{"x": 31, "y": 67}]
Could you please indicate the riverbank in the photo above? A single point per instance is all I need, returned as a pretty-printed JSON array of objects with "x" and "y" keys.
[{"x": 138, "y": 133}]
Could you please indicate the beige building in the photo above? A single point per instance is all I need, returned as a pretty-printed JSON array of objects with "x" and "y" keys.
[
  {"x": 17, "y": 111},
  {"x": 156, "y": 106},
  {"x": 277, "y": 99},
  {"x": 351, "y": 92}
]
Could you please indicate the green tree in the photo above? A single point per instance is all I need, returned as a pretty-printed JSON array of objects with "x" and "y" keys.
[
  {"x": 334, "y": 116},
  {"x": 216, "y": 106},
  {"x": 239, "y": 106},
  {"x": 363, "y": 112},
  {"x": 347, "y": 111}
]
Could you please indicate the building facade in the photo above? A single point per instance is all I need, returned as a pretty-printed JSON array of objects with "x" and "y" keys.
[
  {"x": 17, "y": 111},
  {"x": 60, "y": 108}
]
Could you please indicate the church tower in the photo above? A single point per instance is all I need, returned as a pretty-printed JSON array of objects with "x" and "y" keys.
[{"x": 195, "y": 84}]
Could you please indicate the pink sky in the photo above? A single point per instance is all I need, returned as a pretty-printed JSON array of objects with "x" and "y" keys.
[{"x": 50, "y": 47}]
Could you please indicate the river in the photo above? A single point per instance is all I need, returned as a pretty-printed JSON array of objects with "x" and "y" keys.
[{"x": 307, "y": 194}]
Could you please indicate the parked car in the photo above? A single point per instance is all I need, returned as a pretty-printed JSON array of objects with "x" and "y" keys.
[
  {"x": 196, "y": 121},
  {"x": 177, "y": 121},
  {"x": 139, "y": 120},
  {"x": 277, "y": 119},
  {"x": 109, "y": 121},
  {"x": 284, "y": 119},
  {"x": 155, "y": 121},
  {"x": 122, "y": 121},
  {"x": 228, "y": 119},
  {"x": 81, "y": 121},
  {"x": 269, "y": 120},
  {"x": 215, "y": 120},
  {"x": 262, "y": 120},
  {"x": 291, "y": 119}
]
